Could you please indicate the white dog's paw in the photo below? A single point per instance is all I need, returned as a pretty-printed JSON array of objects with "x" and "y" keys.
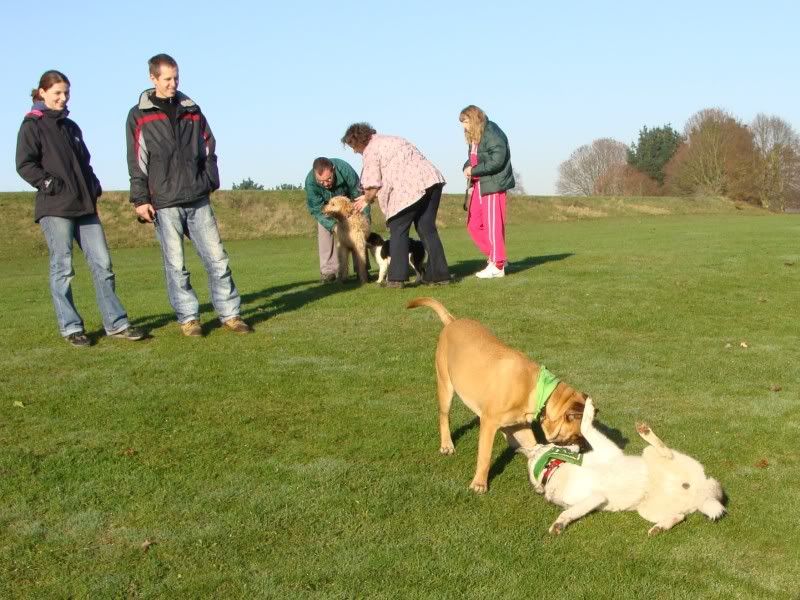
[
  {"x": 556, "y": 528},
  {"x": 655, "y": 530},
  {"x": 479, "y": 487}
]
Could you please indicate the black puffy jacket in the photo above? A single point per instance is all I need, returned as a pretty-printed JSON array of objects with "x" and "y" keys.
[
  {"x": 53, "y": 158},
  {"x": 170, "y": 165}
]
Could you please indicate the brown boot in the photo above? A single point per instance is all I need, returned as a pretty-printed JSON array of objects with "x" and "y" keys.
[
  {"x": 192, "y": 328},
  {"x": 237, "y": 325}
]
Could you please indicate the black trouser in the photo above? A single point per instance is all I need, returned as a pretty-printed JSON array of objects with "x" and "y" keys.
[{"x": 423, "y": 215}]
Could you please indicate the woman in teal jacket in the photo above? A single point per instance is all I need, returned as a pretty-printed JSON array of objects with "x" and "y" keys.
[{"x": 488, "y": 170}]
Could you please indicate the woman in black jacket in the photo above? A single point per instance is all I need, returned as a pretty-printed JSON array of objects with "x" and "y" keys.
[{"x": 53, "y": 158}]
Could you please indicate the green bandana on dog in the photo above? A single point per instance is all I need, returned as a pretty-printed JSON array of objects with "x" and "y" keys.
[
  {"x": 545, "y": 385},
  {"x": 546, "y": 454}
]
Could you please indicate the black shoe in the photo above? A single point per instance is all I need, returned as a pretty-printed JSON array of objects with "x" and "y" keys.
[
  {"x": 440, "y": 282},
  {"x": 79, "y": 340},
  {"x": 130, "y": 333}
]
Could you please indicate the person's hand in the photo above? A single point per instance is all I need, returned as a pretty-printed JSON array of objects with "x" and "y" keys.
[
  {"x": 468, "y": 172},
  {"x": 359, "y": 204},
  {"x": 52, "y": 185},
  {"x": 145, "y": 212}
]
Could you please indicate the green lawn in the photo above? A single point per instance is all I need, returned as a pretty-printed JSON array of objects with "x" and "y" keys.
[{"x": 302, "y": 461}]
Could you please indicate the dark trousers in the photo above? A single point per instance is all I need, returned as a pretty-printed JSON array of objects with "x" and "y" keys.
[{"x": 423, "y": 215}]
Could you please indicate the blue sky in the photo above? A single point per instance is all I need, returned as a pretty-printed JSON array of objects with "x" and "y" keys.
[{"x": 280, "y": 83}]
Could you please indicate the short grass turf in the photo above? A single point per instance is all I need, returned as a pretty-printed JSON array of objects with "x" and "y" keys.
[{"x": 302, "y": 461}]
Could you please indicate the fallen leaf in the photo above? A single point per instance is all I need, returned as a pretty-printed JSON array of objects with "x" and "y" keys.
[
  {"x": 729, "y": 345},
  {"x": 743, "y": 344},
  {"x": 762, "y": 464},
  {"x": 129, "y": 452},
  {"x": 146, "y": 545},
  {"x": 775, "y": 388},
  {"x": 18, "y": 404}
]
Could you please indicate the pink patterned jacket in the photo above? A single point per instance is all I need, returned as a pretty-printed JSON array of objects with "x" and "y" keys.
[{"x": 399, "y": 169}]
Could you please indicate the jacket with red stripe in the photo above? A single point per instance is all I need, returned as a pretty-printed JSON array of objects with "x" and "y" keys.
[{"x": 170, "y": 166}]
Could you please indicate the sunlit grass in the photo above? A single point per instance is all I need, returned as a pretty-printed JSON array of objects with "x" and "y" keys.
[{"x": 301, "y": 460}]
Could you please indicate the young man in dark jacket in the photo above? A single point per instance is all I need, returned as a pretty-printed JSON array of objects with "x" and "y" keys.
[{"x": 173, "y": 169}]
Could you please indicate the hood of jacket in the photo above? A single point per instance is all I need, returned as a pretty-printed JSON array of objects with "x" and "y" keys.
[
  {"x": 39, "y": 109},
  {"x": 146, "y": 104}
]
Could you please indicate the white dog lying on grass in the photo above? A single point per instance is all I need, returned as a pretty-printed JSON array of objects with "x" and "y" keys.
[{"x": 662, "y": 485}]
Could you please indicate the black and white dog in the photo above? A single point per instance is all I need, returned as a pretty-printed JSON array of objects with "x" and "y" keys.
[{"x": 379, "y": 248}]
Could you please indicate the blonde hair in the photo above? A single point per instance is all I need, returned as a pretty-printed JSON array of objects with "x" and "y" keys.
[{"x": 476, "y": 121}]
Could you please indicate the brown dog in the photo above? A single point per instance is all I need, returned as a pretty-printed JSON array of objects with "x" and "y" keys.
[
  {"x": 499, "y": 384},
  {"x": 352, "y": 229}
]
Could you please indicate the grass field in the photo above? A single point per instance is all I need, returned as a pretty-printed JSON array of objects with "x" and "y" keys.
[{"x": 302, "y": 461}]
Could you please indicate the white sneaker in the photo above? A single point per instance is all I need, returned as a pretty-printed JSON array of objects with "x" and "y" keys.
[{"x": 491, "y": 271}]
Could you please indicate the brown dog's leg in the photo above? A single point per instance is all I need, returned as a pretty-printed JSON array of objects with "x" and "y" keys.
[
  {"x": 444, "y": 390},
  {"x": 519, "y": 437},
  {"x": 360, "y": 263},
  {"x": 485, "y": 442},
  {"x": 342, "y": 254}
]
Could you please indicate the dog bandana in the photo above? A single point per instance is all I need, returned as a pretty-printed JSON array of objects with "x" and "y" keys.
[
  {"x": 548, "y": 458},
  {"x": 545, "y": 385}
]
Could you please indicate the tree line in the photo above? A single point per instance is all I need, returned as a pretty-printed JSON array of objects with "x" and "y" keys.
[{"x": 715, "y": 155}]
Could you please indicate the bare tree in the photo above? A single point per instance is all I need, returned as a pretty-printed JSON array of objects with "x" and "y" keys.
[
  {"x": 519, "y": 188},
  {"x": 588, "y": 165},
  {"x": 778, "y": 147}
]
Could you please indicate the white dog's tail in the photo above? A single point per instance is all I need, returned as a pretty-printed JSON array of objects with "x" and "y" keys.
[{"x": 437, "y": 306}]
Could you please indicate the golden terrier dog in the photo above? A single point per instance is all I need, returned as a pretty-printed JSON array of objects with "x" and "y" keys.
[{"x": 351, "y": 231}]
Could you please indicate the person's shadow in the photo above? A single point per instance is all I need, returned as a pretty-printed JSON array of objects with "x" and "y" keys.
[
  {"x": 465, "y": 268},
  {"x": 262, "y": 305}
]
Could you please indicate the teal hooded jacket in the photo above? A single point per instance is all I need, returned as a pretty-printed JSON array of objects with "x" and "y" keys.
[{"x": 345, "y": 184}]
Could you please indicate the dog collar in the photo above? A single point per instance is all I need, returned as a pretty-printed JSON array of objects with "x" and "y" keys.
[
  {"x": 550, "y": 468},
  {"x": 546, "y": 383},
  {"x": 549, "y": 458}
]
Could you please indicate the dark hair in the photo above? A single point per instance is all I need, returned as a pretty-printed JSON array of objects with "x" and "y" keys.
[
  {"x": 48, "y": 80},
  {"x": 358, "y": 134},
  {"x": 156, "y": 62},
  {"x": 322, "y": 164}
]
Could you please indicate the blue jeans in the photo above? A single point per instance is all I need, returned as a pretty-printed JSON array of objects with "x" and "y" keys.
[
  {"x": 88, "y": 232},
  {"x": 197, "y": 222}
]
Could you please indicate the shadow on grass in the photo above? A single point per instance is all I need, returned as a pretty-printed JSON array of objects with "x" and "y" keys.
[
  {"x": 259, "y": 306},
  {"x": 465, "y": 428},
  {"x": 501, "y": 462},
  {"x": 465, "y": 268},
  {"x": 615, "y": 435}
]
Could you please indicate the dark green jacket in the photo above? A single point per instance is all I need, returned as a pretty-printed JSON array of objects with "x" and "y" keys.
[
  {"x": 345, "y": 184},
  {"x": 494, "y": 161}
]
